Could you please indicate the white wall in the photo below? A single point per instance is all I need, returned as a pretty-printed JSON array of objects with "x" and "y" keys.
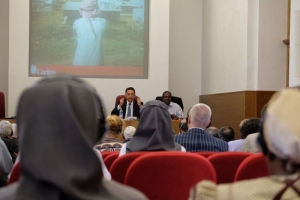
[
  {"x": 294, "y": 76},
  {"x": 185, "y": 50},
  {"x": 271, "y": 50},
  {"x": 224, "y": 46},
  {"x": 4, "y": 9},
  {"x": 147, "y": 89}
]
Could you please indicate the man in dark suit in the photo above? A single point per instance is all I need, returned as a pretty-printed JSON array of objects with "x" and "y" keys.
[
  {"x": 196, "y": 139},
  {"x": 129, "y": 106}
]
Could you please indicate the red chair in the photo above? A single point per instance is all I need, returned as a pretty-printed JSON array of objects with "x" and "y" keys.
[
  {"x": 108, "y": 161},
  {"x": 2, "y": 105},
  {"x": 254, "y": 166},
  {"x": 119, "y": 168},
  {"x": 226, "y": 164},
  {"x": 206, "y": 154},
  {"x": 107, "y": 153},
  {"x": 168, "y": 175},
  {"x": 15, "y": 174},
  {"x": 121, "y": 96}
]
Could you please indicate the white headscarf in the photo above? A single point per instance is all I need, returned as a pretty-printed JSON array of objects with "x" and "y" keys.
[{"x": 282, "y": 127}]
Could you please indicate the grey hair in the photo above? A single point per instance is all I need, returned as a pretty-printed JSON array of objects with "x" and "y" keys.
[
  {"x": 5, "y": 129},
  {"x": 200, "y": 114}
]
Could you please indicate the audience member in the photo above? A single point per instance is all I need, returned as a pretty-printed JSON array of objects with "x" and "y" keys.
[
  {"x": 5, "y": 163},
  {"x": 6, "y": 133},
  {"x": 212, "y": 130},
  {"x": 128, "y": 133},
  {"x": 247, "y": 127},
  {"x": 154, "y": 132},
  {"x": 250, "y": 144},
  {"x": 129, "y": 106},
  {"x": 226, "y": 133},
  {"x": 57, "y": 158},
  {"x": 279, "y": 139},
  {"x": 183, "y": 127},
  {"x": 173, "y": 108},
  {"x": 15, "y": 131},
  {"x": 195, "y": 139},
  {"x": 112, "y": 141}
]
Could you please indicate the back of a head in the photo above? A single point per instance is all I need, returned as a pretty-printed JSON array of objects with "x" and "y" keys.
[
  {"x": 226, "y": 133},
  {"x": 249, "y": 126},
  {"x": 129, "y": 132},
  {"x": 59, "y": 120},
  {"x": 115, "y": 124},
  {"x": 200, "y": 115},
  {"x": 280, "y": 129},
  {"x": 214, "y": 131},
  {"x": 5, "y": 129}
]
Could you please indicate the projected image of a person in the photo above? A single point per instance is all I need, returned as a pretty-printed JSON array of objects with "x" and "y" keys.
[{"x": 88, "y": 31}]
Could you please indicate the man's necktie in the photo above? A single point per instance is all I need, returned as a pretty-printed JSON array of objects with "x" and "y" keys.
[{"x": 129, "y": 110}]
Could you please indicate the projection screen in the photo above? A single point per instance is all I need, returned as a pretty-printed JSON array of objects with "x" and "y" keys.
[{"x": 89, "y": 38}]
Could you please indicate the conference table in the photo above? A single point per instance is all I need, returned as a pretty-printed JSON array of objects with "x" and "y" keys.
[{"x": 134, "y": 123}]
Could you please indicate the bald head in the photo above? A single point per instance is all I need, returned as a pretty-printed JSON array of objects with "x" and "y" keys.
[{"x": 199, "y": 116}]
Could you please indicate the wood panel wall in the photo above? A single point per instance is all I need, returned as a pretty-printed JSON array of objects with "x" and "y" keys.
[{"x": 229, "y": 109}]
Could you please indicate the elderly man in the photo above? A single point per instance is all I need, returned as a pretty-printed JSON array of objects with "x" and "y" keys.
[
  {"x": 196, "y": 139},
  {"x": 173, "y": 108},
  {"x": 129, "y": 106},
  {"x": 279, "y": 139}
]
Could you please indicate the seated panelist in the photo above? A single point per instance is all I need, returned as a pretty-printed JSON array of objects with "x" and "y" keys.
[
  {"x": 173, "y": 107},
  {"x": 129, "y": 106}
]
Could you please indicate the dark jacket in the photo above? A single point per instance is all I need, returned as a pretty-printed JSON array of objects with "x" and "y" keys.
[{"x": 136, "y": 109}]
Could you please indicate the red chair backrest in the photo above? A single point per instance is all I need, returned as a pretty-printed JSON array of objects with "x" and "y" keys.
[
  {"x": 15, "y": 174},
  {"x": 206, "y": 153},
  {"x": 168, "y": 175},
  {"x": 2, "y": 105},
  {"x": 121, "y": 96},
  {"x": 226, "y": 164},
  {"x": 108, "y": 161},
  {"x": 107, "y": 153},
  {"x": 254, "y": 166},
  {"x": 120, "y": 166}
]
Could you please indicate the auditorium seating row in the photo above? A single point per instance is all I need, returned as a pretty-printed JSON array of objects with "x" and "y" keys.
[{"x": 170, "y": 175}]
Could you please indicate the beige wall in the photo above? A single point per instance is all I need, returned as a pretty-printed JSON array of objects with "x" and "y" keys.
[
  {"x": 224, "y": 46},
  {"x": 185, "y": 50},
  {"x": 242, "y": 45},
  {"x": 4, "y": 10},
  {"x": 196, "y": 47}
]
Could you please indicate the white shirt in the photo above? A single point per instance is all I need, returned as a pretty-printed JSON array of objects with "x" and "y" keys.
[
  {"x": 123, "y": 150},
  {"x": 173, "y": 108},
  {"x": 236, "y": 145}
]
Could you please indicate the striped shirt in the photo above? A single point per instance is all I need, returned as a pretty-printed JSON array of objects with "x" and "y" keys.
[{"x": 195, "y": 139}]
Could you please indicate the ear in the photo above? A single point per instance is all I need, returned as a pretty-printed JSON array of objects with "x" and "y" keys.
[{"x": 189, "y": 119}]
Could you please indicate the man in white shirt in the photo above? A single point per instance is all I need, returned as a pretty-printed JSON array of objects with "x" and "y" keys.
[{"x": 173, "y": 108}]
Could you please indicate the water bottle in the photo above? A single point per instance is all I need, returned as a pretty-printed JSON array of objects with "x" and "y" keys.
[
  {"x": 179, "y": 114},
  {"x": 121, "y": 113}
]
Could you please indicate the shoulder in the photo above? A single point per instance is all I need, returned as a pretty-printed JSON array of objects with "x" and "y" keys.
[
  {"x": 204, "y": 190},
  {"x": 124, "y": 192},
  {"x": 8, "y": 192}
]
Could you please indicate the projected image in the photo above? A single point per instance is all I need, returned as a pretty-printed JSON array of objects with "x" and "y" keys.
[{"x": 89, "y": 38}]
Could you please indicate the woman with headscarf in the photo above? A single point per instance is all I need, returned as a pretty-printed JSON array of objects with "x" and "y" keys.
[
  {"x": 279, "y": 139},
  {"x": 154, "y": 131},
  {"x": 112, "y": 142},
  {"x": 88, "y": 31},
  {"x": 59, "y": 121}
]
